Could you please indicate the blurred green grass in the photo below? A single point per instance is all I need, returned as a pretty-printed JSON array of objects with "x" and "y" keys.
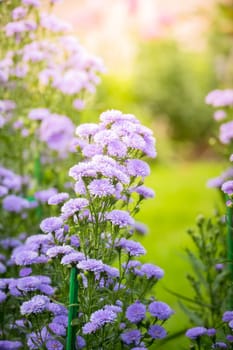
[{"x": 181, "y": 194}]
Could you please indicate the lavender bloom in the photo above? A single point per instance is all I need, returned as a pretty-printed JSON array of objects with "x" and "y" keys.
[
  {"x": 51, "y": 224},
  {"x": 87, "y": 130},
  {"x": 59, "y": 250},
  {"x": 25, "y": 271},
  {"x": 2, "y": 268},
  {"x": 195, "y": 332},
  {"x": 53, "y": 344},
  {"x": 116, "y": 148},
  {"x": 219, "y": 267},
  {"x": 231, "y": 324},
  {"x": 227, "y": 316},
  {"x": 10, "y": 345},
  {"x": 143, "y": 191},
  {"x": 131, "y": 337},
  {"x": 3, "y": 191},
  {"x": 18, "y": 13},
  {"x": 219, "y": 345},
  {"x": 227, "y": 187},
  {"x": 220, "y": 98},
  {"x": 78, "y": 104},
  {"x": 211, "y": 332},
  {"x": 137, "y": 167},
  {"x": 92, "y": 265},
  {"x": 14, "y": 203},
  {"x": 152, "y": 271},
  {"x": 131, "y": 247},
  {"x": 35, "y": 3},
  {"x": 72, "y": 258},
  {"x": 229, "y": 338},
  {"x": 101, "y": 188},
  {"x": 72, "y": 206},
  {"x": 226, "y": 132},
  {"x": 57, "y": 309},
  {"x": 157, "y": 332},
  {"x": 120, "y": 218},
  {"x": 160, "y": 310},
  {"x": 44, "y": 195},
  {"x": 98, "y": 319},
  {"x": 36, "y": 340},
  {"x": 58, "y": 198},
  {"x": 80, "y": 342},
  {"x": 57, "y": 328},
  {"x": 3, "y": 297},
  {"x": 36, "y": 305},
  {"x": 219, "y": 115},
  {"x": 28, "y": 284},
  {"x": 38, "y": 113},
  {"x": 136, "y": 312},
  {"x": 25, "y": 257}
]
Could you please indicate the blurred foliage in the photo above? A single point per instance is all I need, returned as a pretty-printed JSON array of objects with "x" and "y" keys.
[
  {"x": 221, "y": 41},
  {"x": 172, "y": 84}
]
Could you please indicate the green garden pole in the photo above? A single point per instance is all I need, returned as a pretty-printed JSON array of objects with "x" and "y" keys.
[
  {"x": 230, "y": 249},
  {"x": 38, "y": 175},
  {"x": 73, "y": 309}
]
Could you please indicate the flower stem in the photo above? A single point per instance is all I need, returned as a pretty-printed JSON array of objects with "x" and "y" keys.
[{"x": 73, "y": 309}]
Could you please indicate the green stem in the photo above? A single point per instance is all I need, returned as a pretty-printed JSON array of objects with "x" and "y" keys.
[
  {"x": 73, "y": 309},
  {"x": 230, "y": 248}
]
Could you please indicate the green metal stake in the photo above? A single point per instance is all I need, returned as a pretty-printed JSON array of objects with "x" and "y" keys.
[
  {"x": 230, "y": 249},
  {"x": 39, "y": 176},
  {"x": 73, "y": 309}
]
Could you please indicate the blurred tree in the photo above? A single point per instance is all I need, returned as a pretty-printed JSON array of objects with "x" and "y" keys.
[{"x": 172, "y": 83}]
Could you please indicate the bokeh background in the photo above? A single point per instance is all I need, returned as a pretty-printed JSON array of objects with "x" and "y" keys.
[{"x": 162, "y": 57}]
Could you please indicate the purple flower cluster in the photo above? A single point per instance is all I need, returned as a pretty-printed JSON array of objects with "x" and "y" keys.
[
  {"x": 220, "y": 98},
  {"x": 100, "y": 318}
]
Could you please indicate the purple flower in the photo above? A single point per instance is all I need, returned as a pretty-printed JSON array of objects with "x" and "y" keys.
[
  {"x": 25, "y": 257},
  {"x": 98, "y": 319},
  {"x": 58, "y": 198},
  {"x": 136, "y": 312},
  {"x": 14, "y": 203},
  {"x": 3, "y": 297},
  {"x": 57, "y": 328},
  {"x": 219, "y": 345},
  {"x": 120, "y": 218},
  {"x": 160, "y": 310},
  {"x": 36, "y": 305},
  {"x": 211, "y": 332},
  {"x": 10, "y": 345},
  {"x": 38, "y": 113},
  {"x": 226, "y": 132},
  {"x": 87, "y": 130},
  {"x": 59, "y": 250},
  {"x": 18, "y": 13},
  {"x": 53, "y": 344},
  {"x": 220, "y": 98},
  {"x": 25, "y": 271},
  {"x": 72, "y": 258},
  {"x": 227, "y": 316},
  {"x": 143, "y": 191},
  {"x": 3, "y": 191},
  {"x": 80, "y": 342},
  {"x": 51, "y": 224},
  {"x": 131, "y": 247},
  {"x": 219, "y": 267},
  {"x": 152, "y": 271},
  {"x": 43, "y": 196},
  {"x": 231, "y": 324},
  {"x": 229, "y": 338},
  {"x": 219, "y": 115},
  {"x": 78, "y": 104},
  {"x": 92, "y": 265},
  {"x": 227, "y": 187},
  {"x": 157, "y": 332},
  {"x": 195, "y": 332},
  {"x": 35, "y": 3},
  {"x": 116, "y": 148},
  {"x": 72, "y": 206},
  {"x": 36, "y": 340},
  {"x": 131, "y": 337},
  {"x": 137, "y": 167},
  {"x": 28, "y": 284},
  {"x": 101, "y": 188}
]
